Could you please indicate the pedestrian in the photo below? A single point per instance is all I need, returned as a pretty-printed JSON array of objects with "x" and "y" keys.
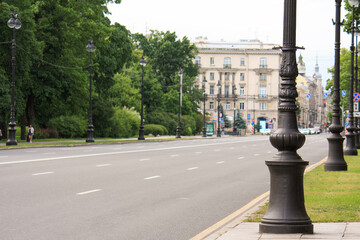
[{"x": 31, "y": 133}]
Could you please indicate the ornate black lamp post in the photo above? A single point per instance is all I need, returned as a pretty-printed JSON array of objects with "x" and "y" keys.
[
  {"x": 350, "y": 136},
  {"x": 204, "y": 94},
  {"x": 335, "y": 160},
  {"x": 90, "y": 136},
  {"x": 218, "y": 133},
  {"x": 286, "y": 212},
  {"x": 13, "y": 23},
  {"x": 178, "y": 128},
  {"x": 141, "y": 131},
  {"x": 234, "y": 127}
]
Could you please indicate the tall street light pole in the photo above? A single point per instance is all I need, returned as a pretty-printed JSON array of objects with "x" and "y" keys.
[
  {"x": 204, "y": 94},
  {"x": 335, "y": 160},
  {"x": 178, "y": 128},
  {"x": 286, "y": 212},
  {"x": 90, "y": 136},
  {"x": 13, "y": 23},
  {"x": 350, "y": 136},
  {"x": 141, "y": 131},
  {"x": 218, "y": 133},
  {"x": 234, "y": 127},
  {"x": 357, "y": 132}
]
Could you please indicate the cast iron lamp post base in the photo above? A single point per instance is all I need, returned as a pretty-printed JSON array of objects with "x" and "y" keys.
[
  {"x": 90, "y": 137},
  {"x": 335, "y": 160},
  {"x": 350, "y": 142},
  {"x": 12, "y": 135}
]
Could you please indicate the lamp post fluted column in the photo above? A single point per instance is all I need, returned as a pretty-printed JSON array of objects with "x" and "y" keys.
[
  {"x": 178, "y": 128},
  {"x": 141, "y": 130},
  {"x": 13, "y": 23},
  {"x": 90, "y": 134},
  {"x": 234, "y": 127},
  {"x": 218, "y": 132},
  {"x": 350, "y": 136},
  {"x": 335, "y": 160},
  {"x": 204, "y": 94},
  {"x": 286, "y": 212}
]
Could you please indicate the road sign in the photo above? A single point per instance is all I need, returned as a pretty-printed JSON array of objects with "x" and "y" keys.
[
  {"x": 356, "y": 114},
  {"x": 248, "y": 116},
  {"x": 343, "y": 92},
  {"x": 253, "y": 123},
  {"x": 356, "y": 97},
  {"x": 308, "y": 95},
  {"x": 356, "y": 107},
  {"x": 325, "y": 94},
  {"x": 346, "y": 124}
]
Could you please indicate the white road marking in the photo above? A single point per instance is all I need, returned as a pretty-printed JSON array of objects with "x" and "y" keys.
[
  {"x": 48, "y": 153},
  {"x": 144, "y": 159},
  {"x": 153, "y": 177},
  {"x": 269, "y": 152},
  {"x": 175, "y": 155},
  {"x": 240, "y": 157},
  {"x": 198, "y": 152},
  {"x": 193, "y": 168},
  {"x": 221, "y": 162},
  {"x": 123, "y": 152},
  {"x": 216, "y": 150},
  {"x": 103, "y": 165},
  {"x": 4, "y": 156},
  {"x": 231, "y": 148},
  {"x": 256, "y": 154},
  {"x": 43, "y": 173},
  {"x": 87, "y": 192}
]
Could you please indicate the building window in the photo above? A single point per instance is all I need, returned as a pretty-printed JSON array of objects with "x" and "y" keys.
[
  {"x": 262, "y": 92},
  {"x": 227, "y": 62},
  {"x": 198, "y": 61},
  {"x": 233, "y": 76},
  {"x": 212, "y": 76},
  {"x": 263, "y": 63},
  {"x": 226, "y": 91},
  {"x": 196, "y": 86},
  {"x": 242, "y": 76},
  {"x": 220, "y": 75},
  {"x": 212, "y": 61},
  {"x": 211, "y": 105},
  {"x": 263, "y": 76},
  {"x": 233, "y": 89},
  {"x": 241, "y": 106},
  {"x": 211, "y": 89},
  {"x": 262, "y": 105},
  {"x": 242, "y": 61},
  {"x": 242, "y": 90},
  {"x": 227, "y": 106},
  {"x": 227, "y": 76}
]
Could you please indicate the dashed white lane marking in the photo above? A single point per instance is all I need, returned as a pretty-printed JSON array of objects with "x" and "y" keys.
[
  {"x": 175, "y": 155},
  {"x": 153, "y": 177},
  {"x": 221, "y": 162},
  {"x": 87, "y": 192},
  {"x": 103, "y": 165},
  {"x": 144, "y": 159},
  {"x": 4, "y": 156},
  {"x": 192, "y": 168},
  {"x": 256, "y": 154},
  {"x": 43, "y": 173},
  {"x": 240, "y": 157},
  {"x": 269, "y": 152},
  {"x": 30, "y": 151},
  {"x": 216, "y": 150},
  {"x": 48, "y": 153},
  {"x": 231, "y": 148}
]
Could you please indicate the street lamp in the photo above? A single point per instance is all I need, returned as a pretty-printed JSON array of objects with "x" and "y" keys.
[
  {"x": 357, "y": 120},
  {"x": 204, "y": 94},
  {"x": 141, "y": 131},
  {"x": 286, "y": 212},
  {"x": 13, "y": 23},
  {"x": 234, "y": 128},
  {"x": 178, "y": 128},
  {"x": 90, "y": 136},
  {"x": 350, "y": 136},
  {"x": 218, "y": 133}
]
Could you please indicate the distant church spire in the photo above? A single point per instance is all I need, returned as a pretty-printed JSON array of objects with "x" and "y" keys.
[{"x": 317, "y": 66}]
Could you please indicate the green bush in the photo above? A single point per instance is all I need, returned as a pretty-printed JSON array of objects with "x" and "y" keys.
[
  {"x": 69, "y": 126},
  {"x": 125, "y": 123},
  {"x": 155, "y": 129},
  {"x": 187, "y": 121},
  {"x": 188, "y": 131},
  {"x": 42, "y": 133},
  {"x": 165, "y": 119}
]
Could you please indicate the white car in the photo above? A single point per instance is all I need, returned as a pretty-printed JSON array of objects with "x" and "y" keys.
[
  {"x": 304, "y": 131},
  {"x": 266, "y": 131}
]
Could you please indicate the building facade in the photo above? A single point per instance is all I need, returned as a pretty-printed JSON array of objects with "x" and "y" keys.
[{"x": 240, "y": 76}]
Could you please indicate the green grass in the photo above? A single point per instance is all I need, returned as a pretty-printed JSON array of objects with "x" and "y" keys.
[{"x": 329, "y": 196}]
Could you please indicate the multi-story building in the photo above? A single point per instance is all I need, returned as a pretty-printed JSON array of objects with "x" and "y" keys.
[{"x": 240, "y": 76}]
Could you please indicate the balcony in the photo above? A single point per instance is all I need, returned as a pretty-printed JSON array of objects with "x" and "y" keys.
[
  {"x": 262, "y": 66},
  {"x": 227, "y": 66},
  {"x": 263, "y": 96}
]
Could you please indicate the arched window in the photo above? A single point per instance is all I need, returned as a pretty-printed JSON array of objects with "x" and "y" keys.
[{"x": 227, "y": 62}]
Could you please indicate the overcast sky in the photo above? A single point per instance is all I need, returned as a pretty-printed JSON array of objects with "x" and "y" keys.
[{"x": 231, "y": 20}]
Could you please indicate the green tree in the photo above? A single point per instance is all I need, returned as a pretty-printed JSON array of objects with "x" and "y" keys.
[{"x": 239, "y": 121}]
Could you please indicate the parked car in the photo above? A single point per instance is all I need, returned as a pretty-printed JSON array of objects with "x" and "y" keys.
[
  {"x": 266, "y": 131},
  {"x": 304, "y": 131}
]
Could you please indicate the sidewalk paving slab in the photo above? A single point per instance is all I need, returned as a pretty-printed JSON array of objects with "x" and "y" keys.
[{"x": 322, "y": 231}]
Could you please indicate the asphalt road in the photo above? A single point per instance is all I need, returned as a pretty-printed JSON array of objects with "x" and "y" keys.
[{"x": 138, "y": 191}]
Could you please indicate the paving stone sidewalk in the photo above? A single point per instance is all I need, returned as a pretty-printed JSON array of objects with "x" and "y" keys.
[{"x": 325, "y": 231}]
